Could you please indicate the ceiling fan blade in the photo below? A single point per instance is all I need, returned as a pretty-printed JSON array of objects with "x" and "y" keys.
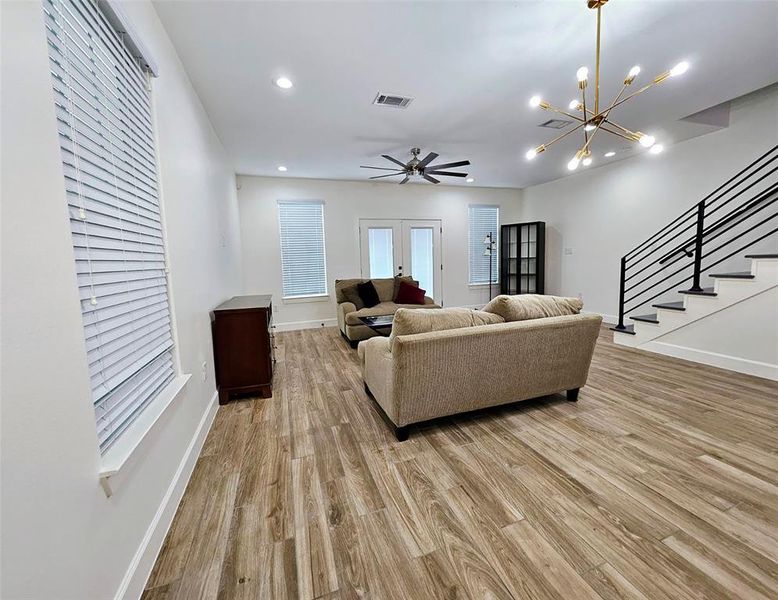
[
  {"x": 389, "y": 175},
  {"x": 447, "y": 173},
  {"x": 405, "y": 180},
  {"x": 426, "y": 160},
  {"x": 380, "y": 168},
  {"x": 431, "y": 179},
  {"x": 394, "y": 160},
  {"x": 460, "y": 163}
]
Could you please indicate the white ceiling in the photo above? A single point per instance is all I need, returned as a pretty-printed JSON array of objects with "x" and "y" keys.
[{"x": 471, "y": 67}]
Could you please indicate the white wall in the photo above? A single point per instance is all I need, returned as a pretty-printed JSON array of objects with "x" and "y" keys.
[
  {"x": 62, "y": 538},
  {"x": 346, "y": 203},
  {"x": 603, "y": 213}
]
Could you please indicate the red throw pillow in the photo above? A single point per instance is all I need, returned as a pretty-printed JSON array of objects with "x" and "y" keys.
[{"x": 409, "y": 294}]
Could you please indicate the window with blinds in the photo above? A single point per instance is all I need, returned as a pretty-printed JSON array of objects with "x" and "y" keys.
[
  {"x": 106, "y": 136},
  {"x": 484, "y": 219},
  {"x": 303, "y": 263}
]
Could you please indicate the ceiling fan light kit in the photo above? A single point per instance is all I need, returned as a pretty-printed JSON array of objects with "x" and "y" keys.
[
  {"x": 592, "y": 121},
  {"x": 421, "y": 168}
]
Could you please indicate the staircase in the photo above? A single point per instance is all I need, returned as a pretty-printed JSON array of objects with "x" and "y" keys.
[{"x": 729, "y": 238}]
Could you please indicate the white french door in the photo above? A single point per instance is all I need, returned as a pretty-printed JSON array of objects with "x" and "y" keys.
[{"x": 403, "y": 247}]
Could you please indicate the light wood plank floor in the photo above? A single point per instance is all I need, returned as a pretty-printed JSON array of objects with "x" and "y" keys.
[{"x": 660, "y": 483}]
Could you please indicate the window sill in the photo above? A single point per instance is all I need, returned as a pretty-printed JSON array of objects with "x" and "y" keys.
[
  {"x": 483, "y": 285},
  {"x": 120, "y": 453},
  {"x": 299, "y": 299}
]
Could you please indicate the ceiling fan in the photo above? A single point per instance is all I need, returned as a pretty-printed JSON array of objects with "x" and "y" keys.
[{"x": 419, "y": 167}]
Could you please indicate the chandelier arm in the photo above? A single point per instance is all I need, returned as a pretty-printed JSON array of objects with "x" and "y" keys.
[
  {"x": 563, "y": 112},
  {"x": 583, "y": 102},
  {"x": 628, "y": 132},
  {"x": 559, "y": 137},
  {"x": 621, "y": 135},
  {"x": 635, "y": 93}
]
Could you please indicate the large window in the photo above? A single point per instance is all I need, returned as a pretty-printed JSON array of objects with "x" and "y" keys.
[
  {"x": 107, "y": 144},
  {"x": 303, "y": 263},
  {"x": 484, "y": 219}
]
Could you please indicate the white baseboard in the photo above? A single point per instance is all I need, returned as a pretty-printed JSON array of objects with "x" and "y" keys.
[
  {"x": 140, "y": 568},
  {"x": 723, "y": 361},
  {"x": 296, "y": 325},
  {"x": 607, "y": 319}
]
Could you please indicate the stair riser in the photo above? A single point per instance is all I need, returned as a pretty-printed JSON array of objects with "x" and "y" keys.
[{"x": 729, "y": 292}]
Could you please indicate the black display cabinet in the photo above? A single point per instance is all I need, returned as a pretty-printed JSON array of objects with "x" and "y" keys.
[{"x": 522, "y": 258}]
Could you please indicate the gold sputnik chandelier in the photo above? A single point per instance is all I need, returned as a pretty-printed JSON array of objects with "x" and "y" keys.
[{"x": 593, "y": 121}]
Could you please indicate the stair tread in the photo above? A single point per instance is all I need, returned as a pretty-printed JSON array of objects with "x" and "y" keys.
[
  {"x": 705, "y": 292},
  {"x": 737, "y": 275},
  {"x": 670, "y": 305},
  {"x": 761, "y": 255},
  {"x": 646, "y": 318},
  {"x": 629, "y": 329}
]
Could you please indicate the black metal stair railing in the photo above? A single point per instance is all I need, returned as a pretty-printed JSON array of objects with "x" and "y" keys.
[{"x": 686, "y": 245}]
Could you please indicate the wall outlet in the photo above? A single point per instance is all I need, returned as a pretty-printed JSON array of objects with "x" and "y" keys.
[{"x": 204, "y": 371}]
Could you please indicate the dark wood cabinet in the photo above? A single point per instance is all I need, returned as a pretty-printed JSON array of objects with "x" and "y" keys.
[
  {"x": 522, "y": 258},
  {"x": 243, "y": 346}
]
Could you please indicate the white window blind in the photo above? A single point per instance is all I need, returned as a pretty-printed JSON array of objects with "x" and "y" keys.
[
  {"x": 301, "y": 224},
  {"x": 104, "y": 120},
  {"x": 484, "y": 219}
]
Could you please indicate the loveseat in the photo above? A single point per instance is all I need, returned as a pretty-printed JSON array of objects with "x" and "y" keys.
[
  {"x": 350, "y": 308},
  {"x": 429, "y": 369}
]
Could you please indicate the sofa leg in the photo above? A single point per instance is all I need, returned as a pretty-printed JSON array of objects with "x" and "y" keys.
[
  {"x": 353, "y": 343},
  {"x": 401, "y": 433},
  {"x": 572, "y": 395}
]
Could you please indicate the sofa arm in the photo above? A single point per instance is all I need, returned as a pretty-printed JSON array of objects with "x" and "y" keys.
[
  {"x": 378, "y": 372},
  {"x": 344, "y": 308}
]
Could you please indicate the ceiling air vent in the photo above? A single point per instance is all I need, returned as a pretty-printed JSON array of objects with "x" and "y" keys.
[
  {"x": 391, "y": 100},
  {"x": 555, "y": 123}
]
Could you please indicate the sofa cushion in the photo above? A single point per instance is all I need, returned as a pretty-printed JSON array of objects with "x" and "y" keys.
[
  {"x": 533, "y": 306},
  {"x": 368, "y": 294},
  {"x": 398, "y": 280},
  {"x": 409, "y": 294},
  {"x": 385, "y": 289},
  {"x": 379, "y": 310},
  {"x": 351, "y": 294},
  {"x": 409, "y": 322},
  {"x": 341, "y": 285}
]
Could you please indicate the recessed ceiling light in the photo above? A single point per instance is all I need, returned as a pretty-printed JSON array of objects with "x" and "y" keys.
[
  {"x": 609, "y": 154},
  {"x": 469, "y": 180},
  {"x": 656, "y": 148},
  {"x": 282, "y": 168},
  {"x": 284, "y": 83}
]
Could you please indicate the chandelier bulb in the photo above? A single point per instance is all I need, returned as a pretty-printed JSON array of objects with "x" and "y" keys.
[
  {"x": 646, "y": 140},
  {"x": 573, "y": 164},
  {"x": 582, "y": 74},
  {"x": 590, "y": 127},
  {"x": 534, "y": 102},
  {"x": 587, "y": 161},
  {"x": 679, "y": 69},
  {"x": 656, "y": 148},
  {"x": 634, "y": 71},
  {"x": 574, "y": 105},
  {"x": 532, "y": 153}
]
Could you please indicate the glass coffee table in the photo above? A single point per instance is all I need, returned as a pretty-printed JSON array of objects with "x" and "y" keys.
[{"x": 381, "y": 325}]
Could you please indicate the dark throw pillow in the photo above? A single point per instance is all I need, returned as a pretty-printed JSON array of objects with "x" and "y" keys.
[
  {"x": 368, "y": 293},
  {"x": 409, "y": 294}
]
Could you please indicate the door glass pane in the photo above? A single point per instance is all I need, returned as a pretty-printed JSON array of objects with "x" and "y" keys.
[
  {"x": 422, "y": 258},
  {"x": 379, "y": 243}
]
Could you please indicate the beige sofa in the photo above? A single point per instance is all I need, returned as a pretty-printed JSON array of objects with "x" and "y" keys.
[
  {"x": 349, "y": 313},
  {"x": 423, "y": 376}
]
